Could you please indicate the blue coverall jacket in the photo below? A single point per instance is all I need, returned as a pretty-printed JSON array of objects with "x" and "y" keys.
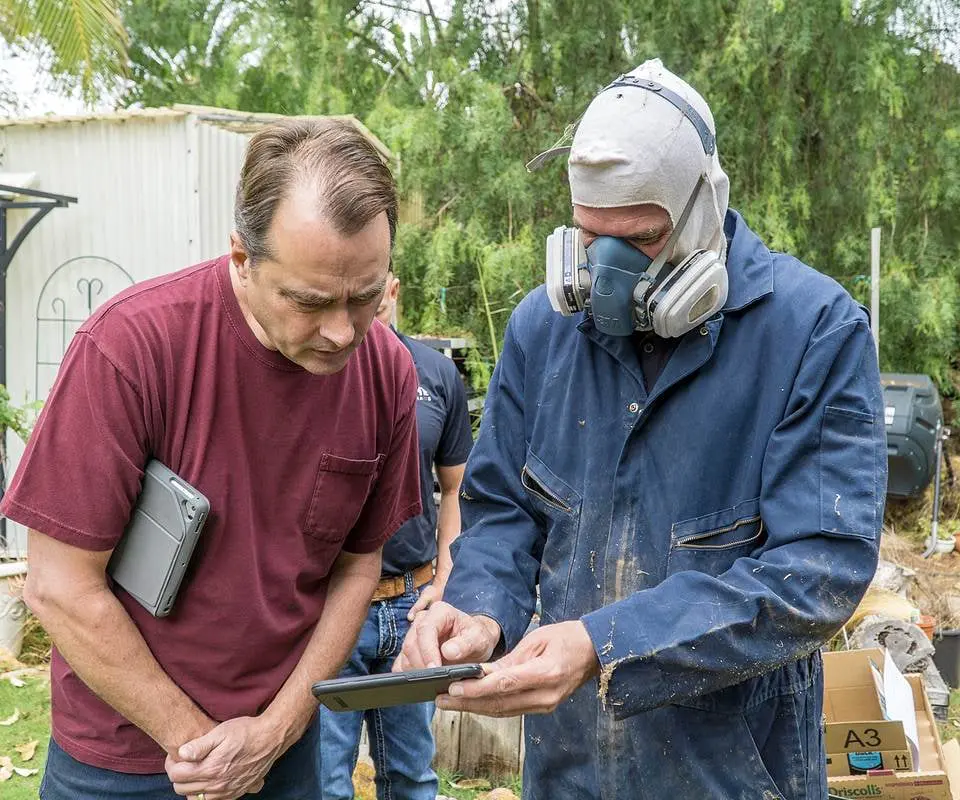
[{"x": 711, "y": 533}]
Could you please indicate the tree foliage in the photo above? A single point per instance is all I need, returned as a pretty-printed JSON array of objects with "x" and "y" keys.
[
  {"x": 84, "y": 39},
  {"x": 833, "y": 116},
  {"x": 9, "y": 102},
  {"x": 185, "y": 51}
]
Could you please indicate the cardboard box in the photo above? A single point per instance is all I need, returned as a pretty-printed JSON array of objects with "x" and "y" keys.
[
  {"x": 870, "y": 714},
  {"x": 866, "y": 713}
]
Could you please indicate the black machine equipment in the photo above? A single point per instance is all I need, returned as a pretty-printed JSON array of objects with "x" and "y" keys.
[
  {"x": 913, "y": 417},
  {"x": 915, "y": 441}
]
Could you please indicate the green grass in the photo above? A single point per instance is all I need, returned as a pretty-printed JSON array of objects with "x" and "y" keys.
[
  {"x": 32, "y": 701},
  {"x": 446, "y": 787},
  {"x": 949, "y": 729}
]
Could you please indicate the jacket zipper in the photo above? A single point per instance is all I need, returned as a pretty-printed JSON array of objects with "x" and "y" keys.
[
  {"x": 686, "y": 541},
  {"x": 534, "y": 486}
]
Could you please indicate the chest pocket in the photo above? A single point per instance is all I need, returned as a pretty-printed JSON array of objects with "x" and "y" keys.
[
  {"x": 712, "y": 543},
  {"x": 558, "y": 506},
  {"x": 342, "y": 488}
]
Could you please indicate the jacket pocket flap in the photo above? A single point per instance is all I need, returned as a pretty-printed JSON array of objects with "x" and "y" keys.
[
  {"x": 849, "y": 487},
  {"x": 730, "y": 527}
]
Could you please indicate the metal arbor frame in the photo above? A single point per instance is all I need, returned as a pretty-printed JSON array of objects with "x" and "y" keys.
[{"x": 43, "y": 203}]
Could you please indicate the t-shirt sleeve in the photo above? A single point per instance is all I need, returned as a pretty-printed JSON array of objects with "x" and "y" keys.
[
  {"x": 395, "y": 497},
  {"x": 81, "y": 472},
  {"x": 456, "y": 438}
]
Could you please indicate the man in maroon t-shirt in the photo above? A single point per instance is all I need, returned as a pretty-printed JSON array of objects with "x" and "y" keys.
[{"x": 262, "y": 379}]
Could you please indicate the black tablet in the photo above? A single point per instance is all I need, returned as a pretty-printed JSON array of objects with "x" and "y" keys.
[{"x": 391, "y": 689}]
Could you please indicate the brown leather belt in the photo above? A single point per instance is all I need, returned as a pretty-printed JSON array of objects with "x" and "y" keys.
[{"x": 394, "y": 585}]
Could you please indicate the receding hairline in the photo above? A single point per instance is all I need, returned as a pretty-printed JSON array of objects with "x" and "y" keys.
[
  {"x": 320, "y": 214},
  {"x": 344, "y": 175},
  {"x": 314, "y": 186}
]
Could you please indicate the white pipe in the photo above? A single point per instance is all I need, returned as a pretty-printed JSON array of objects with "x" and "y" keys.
[{"x": 875, "y": 286}]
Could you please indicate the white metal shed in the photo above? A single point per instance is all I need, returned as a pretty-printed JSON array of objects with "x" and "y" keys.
[{"x": 154, "y": 190}]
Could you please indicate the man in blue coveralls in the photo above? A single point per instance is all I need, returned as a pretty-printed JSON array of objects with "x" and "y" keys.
[
  {"x": 692, "y": 470},
  {"x": 401, "y": 740}
]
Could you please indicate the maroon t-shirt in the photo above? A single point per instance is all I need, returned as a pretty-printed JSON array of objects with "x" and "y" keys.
[{"x": 296, "y": 467}]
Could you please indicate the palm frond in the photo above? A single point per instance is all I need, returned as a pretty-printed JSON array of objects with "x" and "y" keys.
[{"x": 86, "y": 37}]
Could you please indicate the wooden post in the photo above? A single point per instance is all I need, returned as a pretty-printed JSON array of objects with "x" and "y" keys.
[
  {"x": 489, "y": 747},
  {"x": 446, "y": 735}
]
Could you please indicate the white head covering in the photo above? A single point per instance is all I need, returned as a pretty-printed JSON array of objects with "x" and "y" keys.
[{"x": 632, "y": 147}]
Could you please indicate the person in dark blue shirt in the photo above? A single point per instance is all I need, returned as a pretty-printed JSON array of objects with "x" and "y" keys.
[{"x": 401, "y": 740}]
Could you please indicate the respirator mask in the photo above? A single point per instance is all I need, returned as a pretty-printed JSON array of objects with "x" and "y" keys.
[
  {"x": 622, "y": 289},
  {"x": 626, "y": 291}
]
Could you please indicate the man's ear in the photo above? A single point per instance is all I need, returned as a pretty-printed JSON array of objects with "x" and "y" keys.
[
  {"x": 239, "y": 257},
  {"x": 393, "y": 289}
]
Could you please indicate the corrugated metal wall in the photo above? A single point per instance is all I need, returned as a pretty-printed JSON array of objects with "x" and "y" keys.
[
  {"x": 155, "y": 195},
  {"x": 221, "y": 156}
]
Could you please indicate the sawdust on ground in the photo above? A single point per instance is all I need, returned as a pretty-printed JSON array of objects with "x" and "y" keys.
[{"x": 935, "y": 588}]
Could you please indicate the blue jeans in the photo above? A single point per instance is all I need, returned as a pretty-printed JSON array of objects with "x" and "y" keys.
[
  {"x": 292, "y": 777},
  {"x": 401, "y": 741}
]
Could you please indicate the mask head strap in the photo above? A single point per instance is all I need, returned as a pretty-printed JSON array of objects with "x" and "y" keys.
[
  {"x": 707, "y": 139},
  {"x": 654, "y": 269}
]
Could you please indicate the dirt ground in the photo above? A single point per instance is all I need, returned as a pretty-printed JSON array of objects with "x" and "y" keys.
[{"x": 935, "y": 588}]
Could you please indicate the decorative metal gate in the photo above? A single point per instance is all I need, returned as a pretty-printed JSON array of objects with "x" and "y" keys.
[{"x": 71, "y": 294}]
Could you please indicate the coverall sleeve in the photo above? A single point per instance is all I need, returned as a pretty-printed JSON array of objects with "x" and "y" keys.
[
  {"x": 496, "y": 560},
  {"x": 823, "y": 483}
]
